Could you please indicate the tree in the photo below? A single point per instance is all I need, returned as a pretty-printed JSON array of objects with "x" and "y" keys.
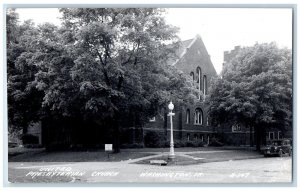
[
  {"x": 105, "y": 65},
  {"x": 23, "y": 100},
  {"x": 120, "y": 60},
  {"x": 255, "y": 90}
]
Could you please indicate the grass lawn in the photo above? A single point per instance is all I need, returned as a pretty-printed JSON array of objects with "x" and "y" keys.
[
  {"x": 196, "y": 158},
  {"x": 179, "y": 160},
  {"x": 226, "y": 156},
  {"x": 40, "y": 155},
  {"x": 76, "y": 156}
]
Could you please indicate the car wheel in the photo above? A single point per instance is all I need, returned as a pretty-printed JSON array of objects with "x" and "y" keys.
[{"x": 280, "y": 153}]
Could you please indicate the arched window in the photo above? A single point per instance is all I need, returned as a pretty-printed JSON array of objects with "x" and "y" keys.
[
  {"x": 187, "y": 116},
  {"x": 195, "y": 136},
  {"x": 207, "y": 121},
  {"x": 152, "y": 119},
  {"x": 198, "y": 117},
  {"x": 236, "y": 128},
  {"x": 204, "y": 85},
  {"x": 192, "y": 74},
  {"x": 199, "y": 77}
]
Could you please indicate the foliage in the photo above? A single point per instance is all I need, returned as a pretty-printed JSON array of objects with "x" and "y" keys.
[
  {"x": 29, "y": 139},
  {"x": 106, "y": 65},
  {"x": 255, "y": 89},
  {"x": 152, "y": 140},
  {"x": 195, "y": 143},
  {"x": 23, "y": 100},
  {"x": 178, "y": 143},
  {"x": 132, "y": 145},
  {"x": 14, "y": 138},
  {"x": 215, "y": 143}
]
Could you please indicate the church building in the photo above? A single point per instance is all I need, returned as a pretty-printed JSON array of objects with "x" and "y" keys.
[{"x": 190, "y": 123}]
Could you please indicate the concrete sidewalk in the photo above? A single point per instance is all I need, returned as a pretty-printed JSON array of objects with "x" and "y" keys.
[{"x": 262, "y": 170}]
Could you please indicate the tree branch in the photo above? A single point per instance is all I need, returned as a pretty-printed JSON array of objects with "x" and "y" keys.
[
  {"x": 121, "y": 78},
  {"x": 132, "y": 52},
  {"x": 103, "y": 69},
  {"x": 100, "y": 57}
]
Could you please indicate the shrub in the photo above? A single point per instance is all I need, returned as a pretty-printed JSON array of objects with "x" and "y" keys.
[
  {"x": 215, "y": 143},
  {"x": 195, "y": 144},
  {"x": 132, "y": 145},
  {"x": 14, "y": 138},
  {"x": 201, "y": 144},
  {"x": 191, "y": 144},
  {"x": 30, "y": 139},
  {"x": 33, "y": 146},
  {"x": 178, "y": 144},
  {"x": 151, "y": 139}
]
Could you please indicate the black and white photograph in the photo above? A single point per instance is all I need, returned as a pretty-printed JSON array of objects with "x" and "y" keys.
[{"x": 150, "y": 94}]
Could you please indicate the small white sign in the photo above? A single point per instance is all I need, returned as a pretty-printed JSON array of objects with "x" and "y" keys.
[{"x": 108, "y": 147}]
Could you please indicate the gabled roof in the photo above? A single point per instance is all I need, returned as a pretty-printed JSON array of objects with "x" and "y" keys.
[{"x": 183, "y": 48}]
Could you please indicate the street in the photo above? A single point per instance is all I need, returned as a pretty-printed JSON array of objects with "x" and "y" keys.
[{"x": 260, "y": 170}]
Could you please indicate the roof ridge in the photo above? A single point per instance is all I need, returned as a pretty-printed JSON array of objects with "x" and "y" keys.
[{"x": 185, "y": 48}]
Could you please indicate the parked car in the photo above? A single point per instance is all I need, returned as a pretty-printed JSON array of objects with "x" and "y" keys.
[{"x": 278, "y": 148}]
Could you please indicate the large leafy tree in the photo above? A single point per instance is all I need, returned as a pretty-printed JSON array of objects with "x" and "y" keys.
[
  {"x": 23, "y": 100},
  {"x": 255, "y": 90},
  {"x": 105, "y": 65}
]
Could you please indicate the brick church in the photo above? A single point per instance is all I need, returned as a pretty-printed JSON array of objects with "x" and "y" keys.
[
  {"x": 189, "y": 123},
  {"x": 193, "y": 123}
]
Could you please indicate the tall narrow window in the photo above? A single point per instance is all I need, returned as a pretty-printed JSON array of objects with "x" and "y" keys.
[
  {"x": 199, "y": 76},
  {"x": 192, "y": 75},
  {"x": 279, "y": 135},
  {"x": 207, "y": 121},
  {"x": 198, "y": 117},
  {"x": 271, "y": 135},
  {"x": 187, "y": 116},
  {"x": 195, "y": 136},
  {"x": 204, "y": 85}
]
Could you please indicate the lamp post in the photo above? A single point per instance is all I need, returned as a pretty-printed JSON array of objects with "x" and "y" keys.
[{"x": 172, "y": 154}]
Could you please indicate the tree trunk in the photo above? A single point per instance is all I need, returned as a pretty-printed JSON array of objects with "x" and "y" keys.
[
  {"x": 24, "y": 126},
  {"x": 116, "y": 134},
  {"x": 251, "y": 136},
  {"x": 24, "y": 129},
  {"x": 258, "y": 137},
  {"x": 264, "y": 133}
]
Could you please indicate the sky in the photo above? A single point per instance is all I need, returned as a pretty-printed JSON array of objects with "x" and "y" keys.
[{"x": 221, "y": 29}]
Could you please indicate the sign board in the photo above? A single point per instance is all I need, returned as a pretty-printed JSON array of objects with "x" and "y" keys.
[{"x": 108, "y": 147}]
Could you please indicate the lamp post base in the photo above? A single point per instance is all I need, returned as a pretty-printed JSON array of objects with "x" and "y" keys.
[
  {"x": 171, "y": 156},
  {"x": 171, "y": 153}
]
